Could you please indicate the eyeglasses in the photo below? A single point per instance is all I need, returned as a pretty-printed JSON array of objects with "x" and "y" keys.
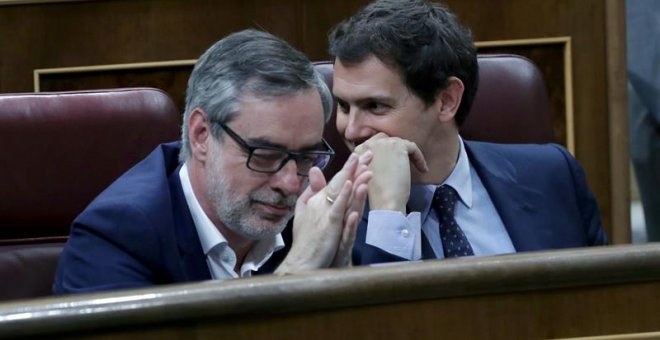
[{"x": 271, "y": 159}]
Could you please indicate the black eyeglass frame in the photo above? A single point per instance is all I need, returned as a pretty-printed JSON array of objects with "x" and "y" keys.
[{"x": 296, "y": 156}]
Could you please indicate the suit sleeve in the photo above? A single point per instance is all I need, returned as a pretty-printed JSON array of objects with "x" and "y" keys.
[
  {"x": 587, "y": 204},
  {"x": 111, "y": 246}
]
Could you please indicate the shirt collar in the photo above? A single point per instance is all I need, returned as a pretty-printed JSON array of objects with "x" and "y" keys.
[
  {"x": 460, "y": 178},
  {"x": 210, "y": 236},
  {"x": 421, "y": 195}
]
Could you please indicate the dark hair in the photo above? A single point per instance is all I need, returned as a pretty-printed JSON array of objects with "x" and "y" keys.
[
  {"x": 248, "y": 61},
  {"x": 423, "y": 40}
]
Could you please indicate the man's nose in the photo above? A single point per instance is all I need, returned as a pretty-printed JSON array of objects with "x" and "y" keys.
[
  {"x": 287, "y": 179},
  {"x": 355, "y": 129}
]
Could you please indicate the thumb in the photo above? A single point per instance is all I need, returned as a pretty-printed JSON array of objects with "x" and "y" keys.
[{"x": 316, "y": 184}]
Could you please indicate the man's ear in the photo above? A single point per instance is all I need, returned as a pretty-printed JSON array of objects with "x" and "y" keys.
[
  {"x": 449, "y": 99},
  {"x": 199, "y": 134}
]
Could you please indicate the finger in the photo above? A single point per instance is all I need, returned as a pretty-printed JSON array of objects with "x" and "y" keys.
[
  {"x": 304, "y": 197},
  {"x": 316, "y": 179},
  {"x": 362, "y": 168},
  {"x": 343, "y": 256},
  {"x": 360, "y": 199},
  {"x": 359, "y": 196},
  {"x": 316, "y": 184},
  {"x": 350, "y": 229},
  {"x": 363, "y": 165},
  {"x": 340, "y": 204},
  {"x": 363, "y": 178},
  {"x": 416, "y": 156},
  {"x": 366, "y": 158},
  {"x": 348, "y": 236},
  {"x": 346, "y": 173},
  {"x": 362, "y": 175}
]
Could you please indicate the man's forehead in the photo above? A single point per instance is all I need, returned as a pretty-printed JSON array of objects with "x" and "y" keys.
[
  {"x": 377, "y": 92},
  {"x": 305, "y": 102},
  {"x": 291, "y": 122},
  {"x": 368, "y": 75}
]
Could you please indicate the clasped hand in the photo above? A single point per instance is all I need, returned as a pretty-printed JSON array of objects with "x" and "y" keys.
[
  {"x": 389, "y": 189},
  {"x": 326, "y": 217}
]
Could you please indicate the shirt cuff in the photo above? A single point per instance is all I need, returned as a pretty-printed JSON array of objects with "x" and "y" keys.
[{"x": 395, "y": 233}]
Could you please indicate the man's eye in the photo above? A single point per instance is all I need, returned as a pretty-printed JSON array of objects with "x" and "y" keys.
[
  {"x": 342, "y": 106},
  {"x": 267, "y": 155},
  {"x": 376, "y": 107}
]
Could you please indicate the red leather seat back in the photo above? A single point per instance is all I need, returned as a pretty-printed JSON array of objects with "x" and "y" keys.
[
  {"x": 27, "y": 271},
  {"x": 511, "y": 105},
  {"x": 59, "y": 150}
]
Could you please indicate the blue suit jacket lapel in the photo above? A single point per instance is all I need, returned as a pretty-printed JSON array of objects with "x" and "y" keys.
[
  {"x": 190, "y": 248},
  {"x": 514, "y": 202}
]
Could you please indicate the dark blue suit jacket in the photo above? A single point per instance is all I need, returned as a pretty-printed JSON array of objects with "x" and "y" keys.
[
  {"x": 539, "y": 191},
  {"x": 138, "y": 232}
]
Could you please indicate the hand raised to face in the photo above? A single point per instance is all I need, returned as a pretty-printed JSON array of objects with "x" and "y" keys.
[
  {"x": 326, "y": 217},
  {"x": 389, "y": 189}
]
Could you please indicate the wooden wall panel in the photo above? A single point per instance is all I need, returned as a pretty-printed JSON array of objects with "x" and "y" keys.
[
  {"x": 100, "y": 32},
  {"x": 65, "y": 34},
  {"x": 171, "y": 79},
  {"x": 584, "y": 22}
]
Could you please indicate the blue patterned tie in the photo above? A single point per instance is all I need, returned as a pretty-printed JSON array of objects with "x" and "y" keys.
[{"x": 454, "y": 242}]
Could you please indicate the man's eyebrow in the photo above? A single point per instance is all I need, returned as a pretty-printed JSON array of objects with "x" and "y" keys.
[
  {"x": 263, "y": 142},
  {"x": 379, "y": 99},
  {"x": 361, "y": 101}
]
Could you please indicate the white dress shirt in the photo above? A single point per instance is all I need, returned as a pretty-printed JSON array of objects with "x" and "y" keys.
[
  {"x": 475, "y": 213},
  {"x": 220, "y": 258}
]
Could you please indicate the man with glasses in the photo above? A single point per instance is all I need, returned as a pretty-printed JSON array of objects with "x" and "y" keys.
[{"x": 213, "y": 206}]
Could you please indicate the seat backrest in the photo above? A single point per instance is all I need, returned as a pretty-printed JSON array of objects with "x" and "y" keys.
[
  {"x": 511, "y": 106},
  {"x": 27, "y": 270},
  {"x": 59, "y": 150}
]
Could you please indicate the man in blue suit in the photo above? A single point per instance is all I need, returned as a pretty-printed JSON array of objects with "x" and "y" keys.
[
  {"x": 405, "y": 76},
  {"x": 213, "y": 205}
]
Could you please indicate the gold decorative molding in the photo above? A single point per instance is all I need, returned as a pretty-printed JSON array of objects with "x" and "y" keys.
[
  {"x": 565, "y": 42},
  {"x": 109, "y": 67}
]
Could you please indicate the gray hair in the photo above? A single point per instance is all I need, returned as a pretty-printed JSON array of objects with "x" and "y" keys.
[{"x": 248, "y": 61}]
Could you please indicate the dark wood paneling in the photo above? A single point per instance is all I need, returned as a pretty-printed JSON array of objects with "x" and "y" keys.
[
  {"x": 584, "y": 22},
  {"x": 319, "y": 19},
  {"x": 172, "y": 79},
  {"x": 114, "y": 32},
  {"x": 37, "y": 36}
]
